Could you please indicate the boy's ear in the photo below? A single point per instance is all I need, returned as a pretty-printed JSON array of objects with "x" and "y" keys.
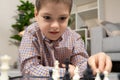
[{"x": 35, "y": 13}]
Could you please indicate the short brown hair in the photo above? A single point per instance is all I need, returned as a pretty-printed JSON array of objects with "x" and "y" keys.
[{"x": 39, "y": 3}]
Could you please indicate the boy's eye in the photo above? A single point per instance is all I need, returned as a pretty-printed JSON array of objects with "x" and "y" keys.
[
  {"x": 63, "y": 18},
  {"x": 47, "y": 17}
]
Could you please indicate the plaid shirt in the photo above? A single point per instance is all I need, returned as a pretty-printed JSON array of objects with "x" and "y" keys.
[{"x": 35, "y": 51}]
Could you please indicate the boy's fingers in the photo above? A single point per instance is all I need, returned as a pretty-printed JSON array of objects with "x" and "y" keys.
[
  {"x": 63, "y": 65},
  {"x": 108, "y": 64},
  {"x": 102, "y": 62},
  {"x": 92, "y": 64}
]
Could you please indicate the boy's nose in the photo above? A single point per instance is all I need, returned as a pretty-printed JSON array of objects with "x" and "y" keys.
[{"x": 55, "y": 24}]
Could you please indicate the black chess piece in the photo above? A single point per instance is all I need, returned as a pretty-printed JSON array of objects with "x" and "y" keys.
[
  {"x": 88, "y": 74},
  {"x": 102, "y": 76},
  {"x": 67, "y": 74},
  {"x": 50, "y": 73}
]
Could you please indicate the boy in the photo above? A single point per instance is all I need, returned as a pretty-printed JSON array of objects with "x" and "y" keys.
[{"x": 50, "y": 39}]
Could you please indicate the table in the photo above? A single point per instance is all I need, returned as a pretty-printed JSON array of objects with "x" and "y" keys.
[{"x": 16, "y": 75}]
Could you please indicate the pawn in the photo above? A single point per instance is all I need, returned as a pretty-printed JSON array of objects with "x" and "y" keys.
[
  {"x": 50, "y": 73},
  {"x": 106, "y": 75},
  {"x": 88, "y": 73},
  {"x": 102, "y": 76},
  {"x": 76, "y": 74},
  {"x": 98, "y": 75}
]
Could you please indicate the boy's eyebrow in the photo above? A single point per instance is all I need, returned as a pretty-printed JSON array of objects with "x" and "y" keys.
[
  {"x": 47, "y": 14},
  {"x": 59, "y": 15},
  {"x": 64, "y": 15}
]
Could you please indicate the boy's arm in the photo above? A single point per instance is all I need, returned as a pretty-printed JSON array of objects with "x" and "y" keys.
[
  {"x": 80, "y": 56},
  {"x": 32, "y": 67},
  {"x": 29, "y": 51}
]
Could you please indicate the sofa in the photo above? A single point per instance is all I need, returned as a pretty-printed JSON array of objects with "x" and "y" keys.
[{"x": 106, "y": 38}]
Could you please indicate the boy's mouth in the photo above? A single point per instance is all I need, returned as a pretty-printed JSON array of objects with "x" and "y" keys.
[{"x": 54, "y": 33}]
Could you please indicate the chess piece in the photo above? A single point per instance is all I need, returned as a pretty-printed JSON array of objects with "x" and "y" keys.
[
  {"x": 76, "y": 74},
  {"x": 106, "y": 75},
  {"x": 88, "y": 73},
  {"x": 4, "y": 67},
  {"x": 98, "y": 75},
  {"x": 102, "y": 76},
  {"x": 50, "y": 73},
  {"x": 67, "y": 74},
  {"x": 56, "y": 74}
]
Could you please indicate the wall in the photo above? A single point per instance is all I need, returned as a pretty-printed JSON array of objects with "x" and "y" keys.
[
  {"x": 112, "y": 10},
  {"x": 8, "y": 9}
]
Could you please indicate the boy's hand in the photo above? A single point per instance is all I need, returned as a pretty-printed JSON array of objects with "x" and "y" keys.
[
  {"x": 100, "y": 61},
  {"x": 71, "y": 70}
]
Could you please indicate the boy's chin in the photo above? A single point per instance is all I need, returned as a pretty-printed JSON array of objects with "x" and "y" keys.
[{"x": 54, "y": 39}]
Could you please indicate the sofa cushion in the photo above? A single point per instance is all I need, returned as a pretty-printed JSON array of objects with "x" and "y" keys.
[
  {"x": 111, "y": 44},
  {"x": 112, "y": 29}
]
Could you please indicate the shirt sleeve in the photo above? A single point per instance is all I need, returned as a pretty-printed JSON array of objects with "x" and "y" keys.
[
  {"x": 80, "y": 56},
  {"x": 28, "y": 53}
]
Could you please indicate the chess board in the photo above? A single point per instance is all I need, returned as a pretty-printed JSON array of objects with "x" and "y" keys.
[
  {"x": 40, "y": 78},
  {"x": 87, "y": 75},
  {"x": 112, "y": 76}
]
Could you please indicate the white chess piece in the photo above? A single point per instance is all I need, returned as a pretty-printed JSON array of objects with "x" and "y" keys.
[
  {"x": 76, "y": 74},
  {"x": 4, "y": 67},
  {"x": 106, "y": 75},
  {"x": 98, "y": 75},
  {"x": 56, "y": 74}
]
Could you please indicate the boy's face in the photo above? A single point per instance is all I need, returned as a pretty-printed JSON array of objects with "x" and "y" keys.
[{"x": 53, "y": 19}]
